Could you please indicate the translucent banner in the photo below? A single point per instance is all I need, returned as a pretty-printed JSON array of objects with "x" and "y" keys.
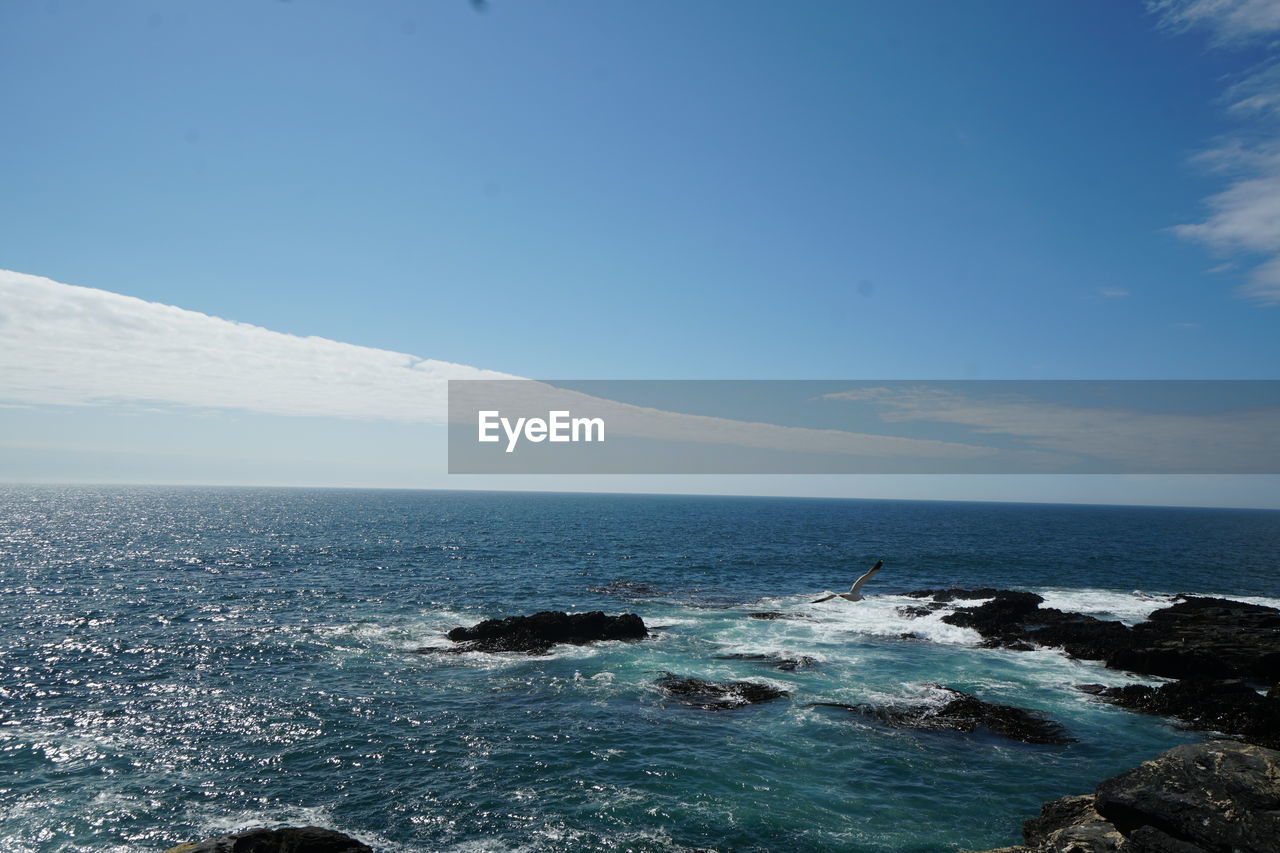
[{"x": 864, "y": 427}]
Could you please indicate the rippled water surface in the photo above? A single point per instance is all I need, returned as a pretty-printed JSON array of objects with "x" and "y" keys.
[{"x": 176, "y": 663}]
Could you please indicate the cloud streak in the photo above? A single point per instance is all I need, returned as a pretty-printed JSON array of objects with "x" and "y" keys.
[
  {"x": 78, "y": 346},
  {"x": 1240, "y": 440},
  {"x": 1244, "y": 218},
  {"x": 65, "y": 345}
]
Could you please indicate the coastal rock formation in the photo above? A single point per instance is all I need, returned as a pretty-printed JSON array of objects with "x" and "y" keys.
[
  {"x": 1219, "y": 797},
  {"x": 536, "y": 634},
  {"x": 1207, "y": 637},
  {"x": 1195, "y": 637},
  {"x": 285, "y": 839},
  {"x": 964, "y": 713},
  {"x": 717, "y": 695},
  {"x": 1217, "y": 646},
  {"x": 1232, "y": 707}
]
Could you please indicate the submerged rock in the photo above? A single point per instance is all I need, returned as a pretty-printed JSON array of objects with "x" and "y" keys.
[
  {"x": 285, "y": 839},
  {"x": 915, "y": 611},
  {"x": 964, "y": 713},
  {"x": 536, "y": 634},
  {"x": 776, "y": 661},
  {"x": 1198, "y": 798},
  {"x": 717, "y": 695},
  {"x": 631, "y": 589},
  {"x": 1231, "y": 707}
]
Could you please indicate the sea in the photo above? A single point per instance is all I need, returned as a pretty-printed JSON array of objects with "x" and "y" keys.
[{"x": 179, "y": 663}]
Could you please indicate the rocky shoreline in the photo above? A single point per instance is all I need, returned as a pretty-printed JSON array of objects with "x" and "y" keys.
[{"x": 1216, "y": 797}]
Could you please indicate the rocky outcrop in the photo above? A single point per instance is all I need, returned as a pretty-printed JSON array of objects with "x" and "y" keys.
[
  {"x": 1205, "y": 637},
  {"x": 1220, "y": 797},
  {"x": 960, "y": 712},
  {"x": 1216, "y": 645},
  {"x": 285, "y": 839},
  {"x": 1195, "y": 637},
  {"x": 717, "y": 695},
  {"x": 536, "y": 634},
  {"x": 1231, "y": 707}
]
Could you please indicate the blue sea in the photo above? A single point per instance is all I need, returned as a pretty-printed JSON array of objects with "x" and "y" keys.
[{"x": 177, "y": 663}]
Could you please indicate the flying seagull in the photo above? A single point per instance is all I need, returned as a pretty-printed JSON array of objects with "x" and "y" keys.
[{"x": 854, "y": 593}]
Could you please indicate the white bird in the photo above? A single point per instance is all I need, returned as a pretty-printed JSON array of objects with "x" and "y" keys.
[{"x": 854, "y": 593}]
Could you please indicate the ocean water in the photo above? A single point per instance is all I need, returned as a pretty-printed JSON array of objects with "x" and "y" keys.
[{"x": 178, "y": 663}]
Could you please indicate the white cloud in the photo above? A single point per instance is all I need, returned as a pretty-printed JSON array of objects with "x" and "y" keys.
[
  {"x": 1244, "y": 217},
  {"x": 1230, "y": 20},
  {"x": 75, "y": 346}
]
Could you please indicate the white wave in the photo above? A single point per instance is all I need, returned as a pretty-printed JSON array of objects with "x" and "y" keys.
[
  {"x": 878, "y": 616},
  {"x": 1129, "y": 607}
]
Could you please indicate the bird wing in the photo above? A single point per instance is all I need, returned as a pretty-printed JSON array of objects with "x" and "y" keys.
[{"x": 857, "y": 585}]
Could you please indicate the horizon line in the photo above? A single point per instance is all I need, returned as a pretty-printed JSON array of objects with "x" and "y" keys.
[{"x": 542, "y": 491}]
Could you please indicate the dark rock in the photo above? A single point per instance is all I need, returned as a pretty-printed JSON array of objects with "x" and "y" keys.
[
  {"x": 915, "y": 611},
  {"x": 1232, "y": 707},
  {"x": 1072, "y": 823},
  {"x": 1205, "y": 637},
  {"x": 286, "y": 839},
  {"x": 1003, "y": 618},
  {"x": 786, "y": 664},
  {"x": 1078, "y": 635},
  {"x": 1213, "y": 796},
  {"x": 537, "y": 633},
  {"x": 717, "y": 695},
  {"x": 772, "y": 614},
  {"x": 1196, "y": 637},
  {"x": 1095, "y": 689},
  {"x": 964, "y": 713},
  {"x": 1219, "y": 797}
]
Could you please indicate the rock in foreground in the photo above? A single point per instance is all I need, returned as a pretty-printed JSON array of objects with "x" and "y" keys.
[
  {"x": 964, "y": 713},
  {"x": 1220, "y": 797},
  {"x": 536, "y": 634},
  {"x": 717, "y": 695},
  {"x": 286, "y": 839}
]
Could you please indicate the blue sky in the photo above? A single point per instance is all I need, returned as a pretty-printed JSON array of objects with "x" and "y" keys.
[{"x": 666, "y": 189}]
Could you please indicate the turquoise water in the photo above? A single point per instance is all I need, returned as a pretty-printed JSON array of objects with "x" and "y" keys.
[{"x": 176, "y": 663}]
